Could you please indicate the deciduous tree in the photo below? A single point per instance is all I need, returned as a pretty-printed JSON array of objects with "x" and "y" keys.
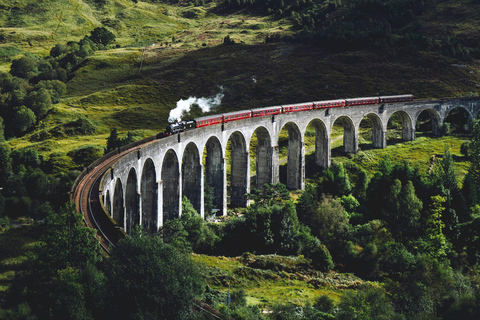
[
  {"x": 23, "y": 119},
  {"x": 25, "y": 67},
  {"x": 102, "y": 36},
  {"x": 149, "y": 279},
  {"x": 39, "y": 102}
]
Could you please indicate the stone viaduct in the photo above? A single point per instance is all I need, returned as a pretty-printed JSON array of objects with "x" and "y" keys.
[{"x": 146, "y": 186}]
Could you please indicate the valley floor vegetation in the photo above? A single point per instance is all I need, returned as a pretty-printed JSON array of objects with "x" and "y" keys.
[{"x": 401, "y": 244}]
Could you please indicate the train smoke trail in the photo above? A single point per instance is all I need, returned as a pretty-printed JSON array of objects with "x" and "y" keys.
[{"x": 206, "y": 104}]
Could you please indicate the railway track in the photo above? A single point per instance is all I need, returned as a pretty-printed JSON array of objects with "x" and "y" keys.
[{"x": 86, "y": 196}]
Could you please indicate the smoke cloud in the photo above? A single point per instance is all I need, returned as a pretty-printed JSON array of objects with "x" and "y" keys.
[{"x": 206, "y": 104}]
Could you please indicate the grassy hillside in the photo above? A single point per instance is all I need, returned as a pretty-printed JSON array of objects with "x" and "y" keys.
[
  {"x": 165, "y": 52},
  {"x": 131, "y": 88}
]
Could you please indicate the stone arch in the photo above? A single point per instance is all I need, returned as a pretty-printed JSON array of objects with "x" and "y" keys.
[
  {"x": 322, "y": 143},
  {"x": 430, "y": 114},
  {"x": 239, "y": 170},
  {"x": 214, "y": 171},
  {"x": 192, "y": 176},
  {"x": 108, "y": 203},
  {"x": 408, "y": 132},
  {"x": 149, "y": 197},
  {"x": 350, "y": 140},
  {"x": 264, "y": 153},
  {"x": 378, "y": 133},
  {"x": 461, "y": 118},
  {"x": 295, "y": 159},
  {"x": 132, "y": 202},
  {"x": 118, "y": 205},
  {"x": 170, "y": 183}
]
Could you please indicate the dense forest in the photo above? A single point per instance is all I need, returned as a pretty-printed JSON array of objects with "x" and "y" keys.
[{"x": 396, "y": 243}]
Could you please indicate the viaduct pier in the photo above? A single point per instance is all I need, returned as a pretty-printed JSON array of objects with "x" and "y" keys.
[{"x": 145, "y": 185}]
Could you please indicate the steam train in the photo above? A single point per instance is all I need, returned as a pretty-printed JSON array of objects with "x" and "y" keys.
[{"x": 269, "y": 111}]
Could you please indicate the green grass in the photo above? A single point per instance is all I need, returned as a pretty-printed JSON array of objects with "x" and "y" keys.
[
  {"x": 110, "y": 90},
  {"x": 14, "y": 243},
  {"x": 266, "y": 287},
  {"x": 418, "y": 152}
]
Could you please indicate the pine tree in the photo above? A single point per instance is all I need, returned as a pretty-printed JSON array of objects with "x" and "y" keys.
[
  {"x": 112, "y": 141},
  {"x": 434, "y": 242},
  {"x": 402, "y": 211},
  {"x": 361, "y": 186},
  {"x": 448, "y": 172}
]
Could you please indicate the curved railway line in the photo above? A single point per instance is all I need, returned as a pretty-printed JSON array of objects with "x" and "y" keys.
[
  {"x": 86, "y": 197},
  {"x": 85, "y": 193}
]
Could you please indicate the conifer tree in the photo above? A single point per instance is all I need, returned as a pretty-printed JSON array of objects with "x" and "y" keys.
[
  {"x": 402, "y": 211},
  {"x": 434, "y": 242},
  {"x": 448, "y": 172},
  {"x": 112, "y": 141}
]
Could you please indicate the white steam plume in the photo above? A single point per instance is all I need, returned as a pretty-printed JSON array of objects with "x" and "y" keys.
[{"x": 206, "y": 104}]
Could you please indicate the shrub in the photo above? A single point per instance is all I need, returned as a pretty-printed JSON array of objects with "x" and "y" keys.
[
  {"x": 85, "y": 155},
  {"x": 465, "y": 148}
]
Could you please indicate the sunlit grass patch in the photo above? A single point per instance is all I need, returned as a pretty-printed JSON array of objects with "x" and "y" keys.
[
  {"x": 223, "y": 263},
  {"x": 418, "y": 152}
]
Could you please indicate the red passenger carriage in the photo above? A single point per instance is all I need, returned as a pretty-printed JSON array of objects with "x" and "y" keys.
[
  {"x": 361, "y": 101},
  {"x": 237, "y": 115},
  {"x": 268, "y": 111},
  {"x": 329, "y": 104},
  {"x": 297, "y": 107},
  {"x": 260, "y": 112},
  {"x": 209, "y": 120}
]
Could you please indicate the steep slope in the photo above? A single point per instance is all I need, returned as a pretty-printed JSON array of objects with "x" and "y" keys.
[{"x": 165, "y": 53}]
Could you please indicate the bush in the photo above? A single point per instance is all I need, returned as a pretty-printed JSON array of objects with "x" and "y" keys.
[
  {"x": 80, "y": 126},
  {"x": 325, "y": 304},
  {"x": 85, "y": 155},
  {"x": 366, "y": 303},
  {"x": 465, "y": 148},
  {"x": 59, "y": 162}
]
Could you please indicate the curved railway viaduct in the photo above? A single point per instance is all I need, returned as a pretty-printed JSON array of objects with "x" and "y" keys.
[{"x": 146, "y": 184}]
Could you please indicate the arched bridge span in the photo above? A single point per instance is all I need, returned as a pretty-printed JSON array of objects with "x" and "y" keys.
[{"x": 145, "y": 186}]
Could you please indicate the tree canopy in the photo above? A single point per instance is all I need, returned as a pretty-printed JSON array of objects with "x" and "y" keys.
[
  {"x": 149, "y": 279},
  {"x": 102, "y": 35}
]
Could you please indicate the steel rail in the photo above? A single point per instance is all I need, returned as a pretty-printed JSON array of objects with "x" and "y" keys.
[{"x": 88, "y": 203}]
